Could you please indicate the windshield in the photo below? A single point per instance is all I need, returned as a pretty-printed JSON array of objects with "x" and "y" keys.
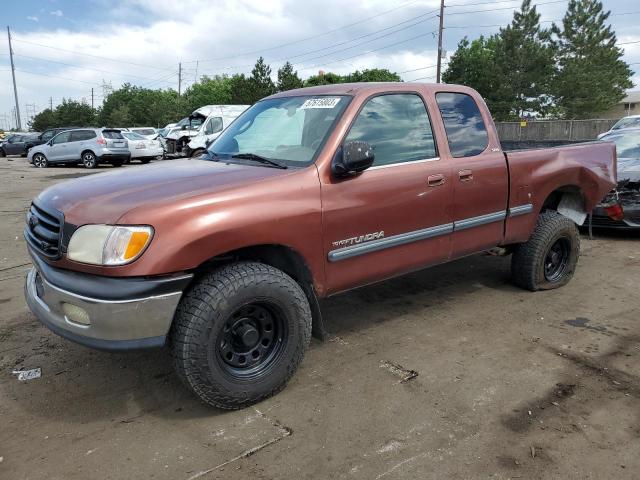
[
  {"x": 627, "y": 144},
  {"x": 195, "y": 123},
  {"x": 133, "y": 136},
  {"x": 289, "y": 129},
  {"x": 626, "y": 123},
  {"x": 144, "y": 131}
]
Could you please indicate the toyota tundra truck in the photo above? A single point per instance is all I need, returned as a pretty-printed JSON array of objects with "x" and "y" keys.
[{"x": 309, "y": 193}]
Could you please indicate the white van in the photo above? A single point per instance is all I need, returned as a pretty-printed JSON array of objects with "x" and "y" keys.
[{"x": 193, "y": 134}]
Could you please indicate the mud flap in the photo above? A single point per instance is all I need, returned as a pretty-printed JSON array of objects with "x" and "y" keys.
[
  {"x": 571, "y": 206},
  {"x": 317, "y": 326}
]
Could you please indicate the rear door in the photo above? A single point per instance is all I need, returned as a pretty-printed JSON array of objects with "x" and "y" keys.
[
  {"x": 479, "y": 174},
  {"x": 78, "y": 142},
  {"x": 393, "y": 217}
]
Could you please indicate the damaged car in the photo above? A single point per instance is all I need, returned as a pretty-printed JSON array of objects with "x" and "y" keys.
[{"x": 621, "y": 208}]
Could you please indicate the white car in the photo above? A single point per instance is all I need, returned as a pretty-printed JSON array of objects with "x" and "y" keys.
[
  {"x": 147, "y": 132},
  {"x": 632, "y": 121},
  {"x": 193, "y": 134},
  {"x": 142, "y": 148}
]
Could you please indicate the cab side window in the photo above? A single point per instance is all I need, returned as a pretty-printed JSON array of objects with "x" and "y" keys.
[
  {"x": 466, "y": 131},
  {"x": 397, "y": 127},
  {"x": 61, "y": 138},
  {"x": 214, "y": 125}
]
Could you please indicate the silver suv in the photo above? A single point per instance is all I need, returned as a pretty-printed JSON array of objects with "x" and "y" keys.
[{"x": 89, "y": 146}]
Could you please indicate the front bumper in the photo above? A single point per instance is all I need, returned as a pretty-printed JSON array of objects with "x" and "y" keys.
[{"x": 109, "y": 320}]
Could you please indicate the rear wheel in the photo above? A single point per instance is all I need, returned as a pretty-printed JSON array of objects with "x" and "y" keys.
[
  {"x": 145, "y": 160},
  {"x": 40, "y": 161},
  {"x": 549, "y": 258},
  {"x": 240, "y": 333},
  {"x": 198, "y": 153},
  {"x": 2, "y": 152},
  {"x": 89, "y": 160},
  {"x": 117, "y": 163}
]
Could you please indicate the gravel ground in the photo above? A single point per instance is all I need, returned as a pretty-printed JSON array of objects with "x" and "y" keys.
[{"x": 509, "y": 384}]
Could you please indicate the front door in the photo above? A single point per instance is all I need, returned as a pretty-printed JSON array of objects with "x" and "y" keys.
[
  {"x": 57, "y": 151},
  {"x": 393, "y": 217},
  {"x": 479, "y": 175}
]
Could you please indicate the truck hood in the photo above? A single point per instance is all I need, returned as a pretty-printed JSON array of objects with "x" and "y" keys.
[
  {"x": 629, "y": 169},
  {"x": 106, "y": 197}
]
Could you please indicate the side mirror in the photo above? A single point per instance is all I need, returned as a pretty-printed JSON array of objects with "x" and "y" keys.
[
  {"x": 50, "y": 142},
  {"x": 352, "y": 158}
]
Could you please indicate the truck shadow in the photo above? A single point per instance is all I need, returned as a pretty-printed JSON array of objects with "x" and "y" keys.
[
  {"x": 364, "y": 307},
  {"x": 124, "y": 387}
]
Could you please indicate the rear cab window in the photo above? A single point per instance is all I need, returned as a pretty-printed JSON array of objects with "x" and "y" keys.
[{"x": 466, "y": 130}]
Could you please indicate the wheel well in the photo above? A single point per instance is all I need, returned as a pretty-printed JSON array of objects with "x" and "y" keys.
[
  {"x": 553, "y": 199},
  {"x": 88, "y": 150},
  {"x": 283, "y": 258}
]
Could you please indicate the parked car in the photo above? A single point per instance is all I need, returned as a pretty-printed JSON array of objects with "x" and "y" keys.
[
  {"x": 141, "y": 148},
  {"x": 16, "y": 144},
  {"x": 627, "y": 193},
  {"x": 88, "y": 146},
  {"x": 632, "y": 121},
  {"x": 194, "y": 133},
  {"x": 309, "y": 193},
  {"x": 149, "y": 133},
  {"x": 45, "y": 136}
]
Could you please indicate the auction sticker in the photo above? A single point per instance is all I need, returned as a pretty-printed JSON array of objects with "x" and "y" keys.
[{"x": 324, "y": 102}]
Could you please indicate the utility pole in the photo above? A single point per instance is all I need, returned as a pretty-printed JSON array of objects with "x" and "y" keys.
[
  {"x": 51, "y": 103},
  {"x": 196, "y": 79},
  {"x": 91, "y": 98},
  {"x": 13, "y": 74},
  {"x": 179, "y": 78},
  {"x": 440, "y": 28}
]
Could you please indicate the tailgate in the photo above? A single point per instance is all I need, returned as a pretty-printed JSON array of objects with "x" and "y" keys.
[{"x": 114, "y": 139}]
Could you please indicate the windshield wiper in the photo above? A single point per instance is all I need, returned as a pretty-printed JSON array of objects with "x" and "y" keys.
[{"x": 260, "y": 159}]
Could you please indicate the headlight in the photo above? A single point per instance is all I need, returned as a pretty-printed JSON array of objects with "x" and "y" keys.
[{"x": 109, "y": 244}]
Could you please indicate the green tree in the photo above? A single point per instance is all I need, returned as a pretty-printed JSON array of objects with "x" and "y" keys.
[
  {"x": 119, "y": 117},
  {"x": 70, "y": 112},
  {"x": 475, "y": 64},
  {"x": 260, "y": 81},
  {"x": 144, "y": 107},
  {"x": 208, "y": 91},
  {"x": 43, "y": 120},
  {"x": 372, "y": 75},
  {"x": 288, "y": 78},
  {"x": 592, "y": 76},
  {"x": 323, "y": 78},
  {"x": 526, "y": 62},
  {"x": 241, "y": 90}
]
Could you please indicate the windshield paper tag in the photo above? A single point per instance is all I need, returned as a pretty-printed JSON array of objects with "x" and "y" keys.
[{"x": 325, "y": 102}]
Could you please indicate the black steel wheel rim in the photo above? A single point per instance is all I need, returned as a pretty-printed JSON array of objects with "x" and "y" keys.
[
  {"x": 557, "y": 259},
  {"x": 252, "y": 339}
]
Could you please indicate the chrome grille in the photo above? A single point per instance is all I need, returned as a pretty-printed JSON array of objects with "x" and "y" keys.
[{"x": 44, "y": 231}]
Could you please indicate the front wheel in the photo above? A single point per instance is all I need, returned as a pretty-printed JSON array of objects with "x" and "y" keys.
[
  {"x": 89, "y": 160},
  {"x": 549, "y": 258},
  {"x": 40, "y": 161},
  {"x": 240, "y": 333}
]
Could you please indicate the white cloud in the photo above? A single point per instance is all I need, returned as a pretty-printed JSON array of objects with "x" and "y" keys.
[
  {"x": 33, "y": 19},
  {"x": 226, "y": 36}
]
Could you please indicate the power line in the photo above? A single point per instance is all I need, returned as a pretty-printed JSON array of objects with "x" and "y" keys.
[
  {"x": 55, "y": 76},
  {"x": 275, "y": 47},
  {"x": 81, "y": 67},
  {"x": 90, "y": 55}
]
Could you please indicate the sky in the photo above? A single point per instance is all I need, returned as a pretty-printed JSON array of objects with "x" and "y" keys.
[{"x": 66, "y": 48}]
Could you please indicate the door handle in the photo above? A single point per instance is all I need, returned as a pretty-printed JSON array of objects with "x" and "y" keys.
[
  {"x": 435, "y": 180},
  {"x": 465, "y": 175}
]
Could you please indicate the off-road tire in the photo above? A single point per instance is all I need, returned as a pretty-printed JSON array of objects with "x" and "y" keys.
[
  {"x": 202, "y": 316},
  {"x": 89, "y": 160},
  {"x": 40, "y": 161},
  {"x": 528, "y": 260}
]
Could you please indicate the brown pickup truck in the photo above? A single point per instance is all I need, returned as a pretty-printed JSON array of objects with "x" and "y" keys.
[{"x": 309, "y": 193}]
